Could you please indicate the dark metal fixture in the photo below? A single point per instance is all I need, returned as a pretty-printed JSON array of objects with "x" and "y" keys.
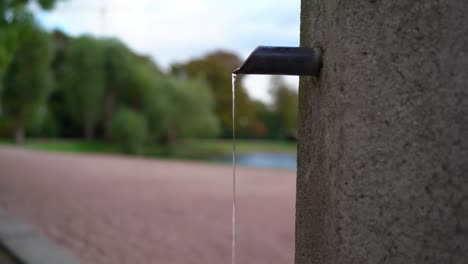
[{"x": 282, "y": 61}]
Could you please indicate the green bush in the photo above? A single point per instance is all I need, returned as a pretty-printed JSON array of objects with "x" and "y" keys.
[
  {"x": 50, "y": 126},
  {"x": 7, "y": 126},
  {"x": 130, "y": 131}
]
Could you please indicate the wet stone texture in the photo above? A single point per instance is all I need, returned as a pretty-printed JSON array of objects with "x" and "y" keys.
[{"x": 382, "y": 157}]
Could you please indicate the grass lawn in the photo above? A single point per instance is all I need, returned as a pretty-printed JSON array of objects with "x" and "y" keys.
[
  {"x": 200, "y": 149},
  {"x": 197, "y": 149},
  {"x": 242, "y": 145},
  {"x": 71, "y": 146}
]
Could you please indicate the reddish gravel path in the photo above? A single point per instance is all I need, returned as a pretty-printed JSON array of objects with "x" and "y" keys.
[{"x": 114, "y": 210}]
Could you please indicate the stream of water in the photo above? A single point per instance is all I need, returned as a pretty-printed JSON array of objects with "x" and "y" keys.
[{"x": 233, "y": 258}]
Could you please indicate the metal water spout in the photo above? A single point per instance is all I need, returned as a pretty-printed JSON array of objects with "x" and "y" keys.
[{"x": 282, "y": 61}]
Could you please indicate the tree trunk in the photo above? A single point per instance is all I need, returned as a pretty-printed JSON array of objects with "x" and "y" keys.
[
  {"x": 19, "y": 131},
  {"x": 171, "y": 135},
  {"x": 88, "y": 130},
  {"x": 109, "y": 105}
]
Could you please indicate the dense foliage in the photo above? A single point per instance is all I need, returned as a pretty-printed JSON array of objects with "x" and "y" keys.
[
  {"x": 84, "y": 82},
  {"x": 216, "y": 69},
  {"x": 131, "y": 130},
  {"x": 28, "y": 80},
  {"x": 55, "y": 85}
]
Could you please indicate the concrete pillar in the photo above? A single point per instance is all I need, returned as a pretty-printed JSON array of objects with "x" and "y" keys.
[{"x": 383, "y": 139}]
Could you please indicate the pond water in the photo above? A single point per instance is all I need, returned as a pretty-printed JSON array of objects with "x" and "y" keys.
[{"x": 263, "y": 160}]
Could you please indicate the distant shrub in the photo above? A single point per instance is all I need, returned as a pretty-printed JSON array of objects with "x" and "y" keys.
[
  {"x": 50, "y": 126},
  {"x": 7, "y": 126},
  {"x": 130, "y": 130}
]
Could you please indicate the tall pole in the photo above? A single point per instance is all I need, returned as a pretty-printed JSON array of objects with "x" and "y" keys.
[{"x": 103, "y": 14}]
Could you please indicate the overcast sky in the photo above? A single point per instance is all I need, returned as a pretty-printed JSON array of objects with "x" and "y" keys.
[{"x": 178, "y": 30}]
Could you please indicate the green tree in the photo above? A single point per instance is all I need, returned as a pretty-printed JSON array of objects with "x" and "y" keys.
[
  {"x": 131, "y": 130},
  {"x": 28, "y": 81},
  {"x": 119, "y": 62},
  {"x": 180, "y": 108},
  {"x": 84, "y": 82},
  {"x": 58, "y": 122},
  {"x": 12, "y": 11},
  {"x": 192, "y": 114},
  {"x": 13, "y": 17},
  {"x": 267, "y": 123},
  {"x": 144, "y": 76},
  {"x": 216, "y": 69},
  {"x": 285, "y": 104},
  {"x": 149, "y": 92},
  {"x": 155, "y": 102}
]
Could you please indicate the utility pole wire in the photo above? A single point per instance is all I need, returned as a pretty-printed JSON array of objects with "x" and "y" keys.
[{"x": 103, "y": 17}]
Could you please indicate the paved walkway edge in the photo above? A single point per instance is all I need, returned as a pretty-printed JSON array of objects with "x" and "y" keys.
[{"x": 28, "y": 246}]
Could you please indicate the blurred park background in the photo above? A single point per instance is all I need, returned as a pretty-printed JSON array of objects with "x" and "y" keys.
[
  {"x": 94, "y": 93},
  {"x": 71, "y": 81}
]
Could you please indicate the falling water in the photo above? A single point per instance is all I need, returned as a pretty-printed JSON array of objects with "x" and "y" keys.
[{"x": 233, "y": 259}]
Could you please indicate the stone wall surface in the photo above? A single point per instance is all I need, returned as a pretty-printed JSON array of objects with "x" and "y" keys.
[{"x": 383, "y": 138}]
